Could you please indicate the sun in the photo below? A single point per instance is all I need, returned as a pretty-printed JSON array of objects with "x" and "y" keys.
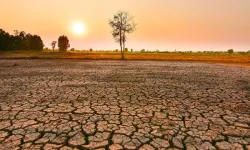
[{"x": 78, "y": 28}]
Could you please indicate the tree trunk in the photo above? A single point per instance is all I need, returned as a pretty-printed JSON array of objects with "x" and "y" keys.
[
  {"x": 123, "y": 41},
  {"x": 122, "y": 56},
  {"x": 121, "y": 25}
]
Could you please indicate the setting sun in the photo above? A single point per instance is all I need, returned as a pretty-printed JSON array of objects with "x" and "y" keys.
[{"x": 78, "y": 28}]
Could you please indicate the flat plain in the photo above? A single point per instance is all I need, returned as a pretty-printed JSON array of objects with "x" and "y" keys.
[{"x": 110, "y": 104}]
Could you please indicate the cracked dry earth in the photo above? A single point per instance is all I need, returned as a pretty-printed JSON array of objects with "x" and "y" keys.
[{"x": 76, "y": 104}]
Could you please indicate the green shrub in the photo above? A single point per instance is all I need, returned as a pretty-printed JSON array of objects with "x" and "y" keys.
[
  {"x": 230, "y": 51},
  {"x": 143, "y": 51},
  {"x": 125, "y": 49}
]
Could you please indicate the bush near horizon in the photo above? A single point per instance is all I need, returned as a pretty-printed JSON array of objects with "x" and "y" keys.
[
  {"x": 63, "y": 43},
  {"x": 230, "y": 51},
  {"x": 125, "y": 49}
]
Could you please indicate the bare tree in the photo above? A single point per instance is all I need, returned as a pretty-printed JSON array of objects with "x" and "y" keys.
[
  {"x": 122, "y": 24},
  {"x": 53, "y": 44}
]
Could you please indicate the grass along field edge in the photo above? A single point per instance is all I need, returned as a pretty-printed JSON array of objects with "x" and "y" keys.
[{"x": 206, "y": 57}]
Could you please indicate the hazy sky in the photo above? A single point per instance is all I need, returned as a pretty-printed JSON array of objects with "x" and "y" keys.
[{"x": 162, "y": 24}]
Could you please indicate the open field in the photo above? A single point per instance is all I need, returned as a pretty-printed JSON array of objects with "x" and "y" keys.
[
  {"x": 86, "y": 104},
  {"x": 207, "y": 57}
]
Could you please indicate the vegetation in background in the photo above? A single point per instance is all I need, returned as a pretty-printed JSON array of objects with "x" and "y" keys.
[
  {"x": 53, "y": 44},
  {"x": 230, "y": 51},
  {"x": 125, "y": 50},
  {"x": 122, "y": 24},
  {"x": 20, "y": 41},
  {"x": 63, "y": 43},
  {"x": 215, "y": 57}
]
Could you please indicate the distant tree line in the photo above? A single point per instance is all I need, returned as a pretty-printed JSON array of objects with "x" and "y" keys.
[{"x": 20, "y": 41}]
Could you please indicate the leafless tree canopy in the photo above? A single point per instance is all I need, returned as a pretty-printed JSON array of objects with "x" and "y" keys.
[
  {"x": 53, "y": 44},
  {"x": 122, "y": 24}
]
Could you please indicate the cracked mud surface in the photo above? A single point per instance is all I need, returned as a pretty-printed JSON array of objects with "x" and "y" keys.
[{"x": 74, "y": 104}]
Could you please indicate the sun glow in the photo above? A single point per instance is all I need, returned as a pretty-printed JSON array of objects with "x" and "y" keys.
[{"x": 78, "y": 28}]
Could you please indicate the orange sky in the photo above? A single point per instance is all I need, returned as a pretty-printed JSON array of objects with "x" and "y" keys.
[{"x": 162, "y": 24}]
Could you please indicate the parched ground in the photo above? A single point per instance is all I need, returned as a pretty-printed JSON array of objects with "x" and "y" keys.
[{"x": 76, "y": 104}]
